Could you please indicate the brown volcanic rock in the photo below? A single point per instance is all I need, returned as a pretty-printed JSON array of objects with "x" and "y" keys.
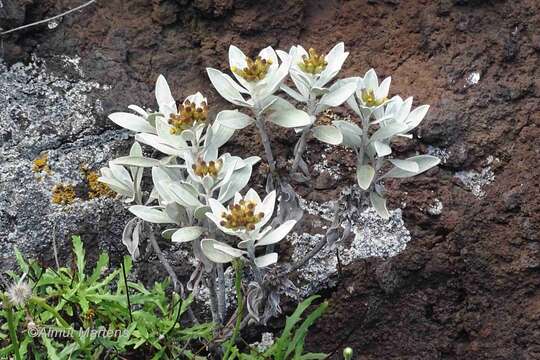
[{"x": 468, "y": 285}]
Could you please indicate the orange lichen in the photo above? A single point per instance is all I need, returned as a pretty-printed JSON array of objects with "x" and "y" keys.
[
  {"x": 63, "y": 194},
  {"x": 41, "y": 164},
  {"x": 96, "y": 189}
]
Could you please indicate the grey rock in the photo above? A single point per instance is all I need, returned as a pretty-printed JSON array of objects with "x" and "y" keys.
[
  {"x": 374, "y": 237},
  {"x": 42, "y": 112}
]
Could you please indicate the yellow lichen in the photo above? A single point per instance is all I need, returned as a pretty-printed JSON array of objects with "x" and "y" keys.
[
  {"x": 63, "y": 194},
  {"x": 255, "y": 70},
  {"x": 314, "y": 63},
  {"x": 188, "y": 115},
  {"x": 96, "y": 188},
  {"x": 241, "y": 216},
  {"x": 368, "y": 97},
  {"x": 201, "y": 168},
  {"x": 41, "y": 164}
]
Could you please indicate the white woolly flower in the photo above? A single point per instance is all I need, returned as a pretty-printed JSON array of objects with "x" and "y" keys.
[
  {"x": 173, "y": 130},
  {"x": 370, "y": 93},
  {"x": 176, "y": 125},
  {"x": 245, "y": 218},
  {"x": 310, "y": 70},
  {"x": 259, "y": 78},
  {"x": 370, "y": 96},
  {"x": 19, "y": 293},
  {"x": 192, "y": 112},
  {"x": 179, "y": 131},
  {"x": 398, "y": 111},
  {"x": 213, "y": 173}
]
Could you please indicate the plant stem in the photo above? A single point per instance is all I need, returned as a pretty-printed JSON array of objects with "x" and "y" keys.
[
  {"x": 256, "y": 270},
  {"x": 55, "y": 250},
  {"x": 56, "y": 314},
  {"x": 221, "y": 291},
  {"x": 127, "y": 291},
  {"x": 266, "y": 142},
  {"x": 302, "y": 142},
  {"x": 50, "y": 309},
  {"x": 177, "y": 288},
  {"x": 211, "y": 284},
  {"x": 319, "y": 246},
  {"x": 240, "y": 306},
  {"x": 217, "y": 291},
  {"x": 12, "y": 331},
  {"x": 365, "y": 139}
]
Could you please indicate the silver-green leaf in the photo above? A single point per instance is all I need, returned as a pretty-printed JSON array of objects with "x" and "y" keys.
[
  {"x": 364, "y": 176},
  {"x": 379, "y": 204},
  {"x": 424, "y": 162},
  {"x": 328, "y": 134},
  {"x": 150, "y": 214},
  {"x": 186, "y": 234}
]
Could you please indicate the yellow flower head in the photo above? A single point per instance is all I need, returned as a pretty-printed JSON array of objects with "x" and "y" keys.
[
  {"x": 201, "y": 168},
  {"x": 369, "y": 99},
  {"x": 314, "y": 63},
  {"x": 241, "y": 216},
  {"x": 255, "y": 70},
  {"x": 189, "y": 114}
]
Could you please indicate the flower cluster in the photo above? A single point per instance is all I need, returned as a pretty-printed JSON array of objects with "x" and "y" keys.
[
  {"x": 313, "y": 64},
  {"x": 254, "y": 70},
  {"x": 201, "y": 168},
  {"x": 241, "y": 216},
  {"x": 192, "y": 112}
]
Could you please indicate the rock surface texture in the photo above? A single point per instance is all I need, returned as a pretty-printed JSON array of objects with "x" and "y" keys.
[{"x": 467, "y": 286}]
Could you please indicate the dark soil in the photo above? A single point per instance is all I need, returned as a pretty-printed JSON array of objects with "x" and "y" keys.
[{"x": 468, "y": 284}]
